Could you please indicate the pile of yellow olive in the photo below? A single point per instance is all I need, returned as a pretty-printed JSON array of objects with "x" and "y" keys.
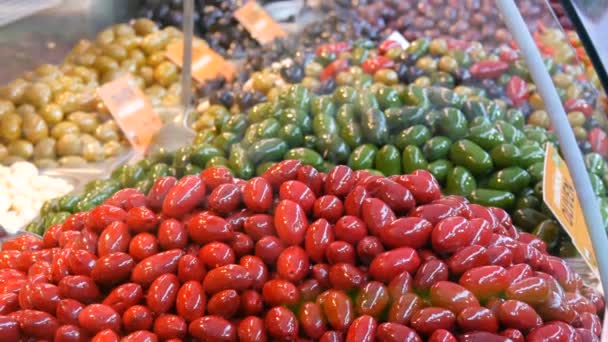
[{"x": 51, "y": 115}]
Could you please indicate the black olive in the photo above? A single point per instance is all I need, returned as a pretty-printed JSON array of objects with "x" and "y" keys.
[
  {"x": 293, "y": 73},
  {"x": 590, "y": 123},
  {"x": 327, "y": 86},
  {"x": 585, "y": 146},
  {"x": 244, "y": 99}
]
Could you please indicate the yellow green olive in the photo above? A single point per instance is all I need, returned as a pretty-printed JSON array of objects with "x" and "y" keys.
[
  {"x": 45, "y": 148},
  {"x": 64, "y": 128},
  {"x": 21, "y": 148},
  {"x": 34, "y": 128},
  {"x": 10, "y": 127},
  {"x": 69, "y": 145}
]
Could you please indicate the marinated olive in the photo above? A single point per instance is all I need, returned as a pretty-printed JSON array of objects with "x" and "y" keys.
[
  {"x": 34, "y": 128},
  {"x": 69, "y": 145},
  {"x": 21, "y": 148}
]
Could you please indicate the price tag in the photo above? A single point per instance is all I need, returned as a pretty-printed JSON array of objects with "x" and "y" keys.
[
  {"x": 560, "y": 196},
  {"x": 259, "y": 24},
  {"x": 397, "y": 37},
  {"x": 131, "y": 110},
  {"x": 206, "y": 63}
]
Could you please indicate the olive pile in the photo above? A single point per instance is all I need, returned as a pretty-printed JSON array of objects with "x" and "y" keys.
[
  {"x": 469, "y": 20},
  {"x": 287, "y": 55},
  {"x": 213, "y": 21},
  {"x": 52, "y": 116},
  {"x": 459, "y": 89},
  {"x": 137, "y": 48}
]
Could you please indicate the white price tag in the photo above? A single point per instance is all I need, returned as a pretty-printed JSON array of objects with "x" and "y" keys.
[{"x": 397, "y": 37}]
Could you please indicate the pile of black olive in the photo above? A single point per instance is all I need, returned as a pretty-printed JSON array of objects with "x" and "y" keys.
[
  {"x": 213, "y": 21},
  {"x": 340, "y": 23},
  {"x": 468, "y": 20}
]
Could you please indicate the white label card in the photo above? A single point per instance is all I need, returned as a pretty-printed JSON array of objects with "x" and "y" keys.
[{"x": 396, "y": 36}]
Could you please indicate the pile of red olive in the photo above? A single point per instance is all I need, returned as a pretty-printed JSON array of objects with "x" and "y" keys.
[{"x": 293, "y": 255}]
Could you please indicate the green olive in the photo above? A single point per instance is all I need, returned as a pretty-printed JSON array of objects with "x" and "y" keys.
[
  {"x": 579, "y": 133},
  {"x": 427, "y": 64},
  {"x": 129, "y": 66},
  {"x": 138, "y": 56},
  {"x": 536, "y": 102},
  {"x": 540, "y": 118},
  {"x": 87, "y": 138},
  {"x": 65, "y": 81},
  {"x": 3, "y": 152},
  {"x": 155, "y": 41},
  {"x": 423, "y": 81},
  {"x": 86, "y": 59},
  {"x": 574, "y": 91},
  {"x": 105, "y": 63},
  {"x": 123, "y": 30},
  {"x": 25, "y": 109},
  {"x": 576, "y": 118},
  {"x": 34, "y": 128},
  {"x": 172, "y": 32},
  {"x": 344, "y": 78},
  {"x": 85, "y": 74},
  {"x": 64, "y": 128},
  {"x": 38, "y": 94},
  {"x": 438, "y": 47},
  {"x": 105, "y": 132},
  {"x": 144, "y": 26},
  {"x": 562, "y": 80},
  {"x": 72, "y": 161},
  {"x": 111, "y": 75},
  {"x": 10, "y": 127},
  {"x": 14, "y": 90},
  {"x": 92, "y": 151},
  {"x": 6, "y": 107},
  {"x": 386, "y": 76},
  {"x": 166, "y": 73},
  {"x": 394, "y": 53},
  {"x": 156, "y": 91},
  {"x": 21, "y": 148},
  {"x": 45, "y": 148},
  {"x": 273, "y": 94},
  {"x": 156, "y": 58},
  {"x": 448, "y": 64},
  {"x": 86, "y": 122},
  {"x": 311, "y": 83},
  {"x": 111, "y": 148},
  {"x": 313, "y": 69},
  {"x": 51, "y": 113},
  {"x": 105, "y": 37},
  {"x": 262, "y": 82},
  {"x": 147, "y": 74},
  {"x": 69, "y": 145},
  {"x": 68, "y": 102},
  {"x": 115, "y": 51}
]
